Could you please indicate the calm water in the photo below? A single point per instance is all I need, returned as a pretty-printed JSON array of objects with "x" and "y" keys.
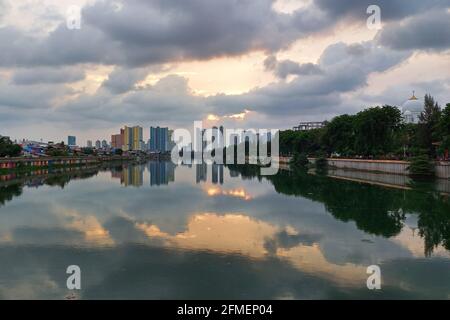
[{"x": 157, "y": 231}]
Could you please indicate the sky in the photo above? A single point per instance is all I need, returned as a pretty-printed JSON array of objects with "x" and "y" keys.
[{"x": 241, "y": 63}]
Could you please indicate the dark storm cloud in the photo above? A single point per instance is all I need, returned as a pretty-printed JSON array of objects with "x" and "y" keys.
[
  {"x": 284, "y": 68},
  {"x": 138, "y": 36},
  {"x": 141, "y": 32},
  {"x": 16, "y": 98},
  {"x": 61, "y": 47},
  {"x": 122, "y": 80},
  {"x": 169, "y": 100},
  {"x": 138, "y": 32},
  {"x": 345, "y": 68},
  {"x": 424, "y": 32},
  {"x": 390, "y": 9},
  {"x": 47, "y": 75},
  {"x": 156, "y": 31}
]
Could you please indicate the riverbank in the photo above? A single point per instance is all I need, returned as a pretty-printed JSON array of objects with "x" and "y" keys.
[
  {"x": 383, "y": 166},
  {"x": 386, "y": 173},
  {"x": 22, "y": 164},
  {"x": 22, "y": 174},
  {"x": 388, "y": 180}
]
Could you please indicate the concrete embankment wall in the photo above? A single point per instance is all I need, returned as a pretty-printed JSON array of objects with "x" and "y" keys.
[
  {"x": 385, "y": 166},
  {"x": 385, "y": 179},
  {"x": 395, "y": 167},
  {"x": 443, "y": 169}
]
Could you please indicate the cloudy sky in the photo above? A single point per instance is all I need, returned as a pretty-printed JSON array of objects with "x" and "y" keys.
[{"x": 242, "y": 63}]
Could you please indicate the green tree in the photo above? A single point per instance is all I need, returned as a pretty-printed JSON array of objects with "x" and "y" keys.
[
  {"x": 444, "y": 128},
  {"x": 286, "y": 142},
  {"x": 375, "y": 129},
  {"x": 339, "y": 135},
  {"x": 308, "y": 142},
  {"x": 405, "y": 139},
  {"x": 429, "y": 124},
  {"x": 8, "y": 148}
]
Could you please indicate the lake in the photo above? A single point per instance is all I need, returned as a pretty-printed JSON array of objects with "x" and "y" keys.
[{"x": 160, "y": 231}]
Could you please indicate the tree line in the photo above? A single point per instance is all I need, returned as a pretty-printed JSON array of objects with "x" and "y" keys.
[{"x": 376, "y": 132}]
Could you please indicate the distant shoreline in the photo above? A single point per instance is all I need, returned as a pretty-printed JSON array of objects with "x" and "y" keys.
[{"x": 24, "y": 165}]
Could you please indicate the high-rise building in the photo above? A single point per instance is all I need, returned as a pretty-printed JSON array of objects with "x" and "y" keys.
[
  {"x": 214, "y": 173},
  {"x": 171, "y": 143},
  {"x": 71, "y": 141},
  {"x": 127, "y": 138},
  {"x": 137, "y": 138},
  {"x": 104, "y": 144},
  {"x": 98, "y": 144},
  {"x": 132, "y": 138},
  {"x": 159, "y": 139},
  {"x": 89, "y": 144},
  {"x": 117, "y": 140}
]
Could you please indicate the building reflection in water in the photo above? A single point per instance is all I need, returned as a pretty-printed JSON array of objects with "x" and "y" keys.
[
  {"x": 161, "y": 173},
  {"x": 201, "y": 172},
  {"x": 117, "y": 172},
  {"x": 217, "y": 174},
  {"x": 129, "y": 175},
  {"x": 133, "y": 176},
  {"x": 234, "y": 174}
]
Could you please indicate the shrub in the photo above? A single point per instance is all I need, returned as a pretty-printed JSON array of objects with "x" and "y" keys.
[
  {"x": 421, "y": 166},
  {"x": 299, "y": 160}
]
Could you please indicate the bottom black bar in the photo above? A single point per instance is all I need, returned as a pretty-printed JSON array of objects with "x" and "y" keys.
[{"x": 251, "y": 309}]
